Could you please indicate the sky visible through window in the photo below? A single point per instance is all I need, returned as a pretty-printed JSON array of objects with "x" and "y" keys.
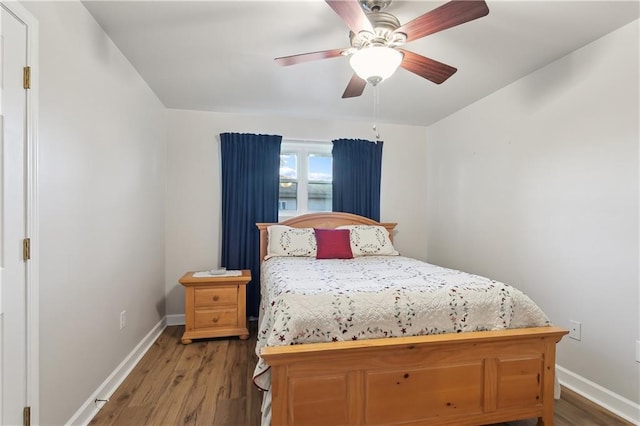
[
  {"x": 320, "y": 167},
  {"x": 288, "y": 166}
]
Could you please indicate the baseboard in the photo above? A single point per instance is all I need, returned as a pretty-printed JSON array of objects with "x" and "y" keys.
[
  {"x": 177, "y": 319},
  {"x": 90, "y": 408},
  {"x": 610, "y": 401}
]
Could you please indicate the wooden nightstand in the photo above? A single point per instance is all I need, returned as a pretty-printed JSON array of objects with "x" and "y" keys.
[{"x": 214, "y": 306}]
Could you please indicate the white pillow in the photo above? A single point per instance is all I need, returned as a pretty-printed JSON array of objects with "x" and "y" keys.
[
  {"x": 370, "y": 240},
  {"x": 288, "y": 241}
]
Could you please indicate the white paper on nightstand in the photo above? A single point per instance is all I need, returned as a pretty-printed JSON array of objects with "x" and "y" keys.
[{"x": 206, "y": 274}]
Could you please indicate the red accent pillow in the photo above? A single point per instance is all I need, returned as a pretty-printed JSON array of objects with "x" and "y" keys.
[{"x": 333, "y": 244}]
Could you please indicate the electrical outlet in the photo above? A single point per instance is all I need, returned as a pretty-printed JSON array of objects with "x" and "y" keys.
[
  {"x": 123, "y": 319},
  {"x": 637, "y": 350},
  {"x": 575, "y": 330}
]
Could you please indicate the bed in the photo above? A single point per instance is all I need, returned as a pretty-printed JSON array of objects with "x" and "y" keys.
[{"x": 454, "y": 369}]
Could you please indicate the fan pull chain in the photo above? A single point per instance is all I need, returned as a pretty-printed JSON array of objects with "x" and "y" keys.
[{"x": 376, "y": 104}]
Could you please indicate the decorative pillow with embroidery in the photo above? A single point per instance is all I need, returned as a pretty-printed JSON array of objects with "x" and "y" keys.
[
  {"x": 288, "y": 241},
  {"x": 370, "y": 240}
]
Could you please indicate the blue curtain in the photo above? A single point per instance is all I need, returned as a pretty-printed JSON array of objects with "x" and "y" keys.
[
  {"x": 357, "y": 168},
  {"x": 250, "y": 179}
]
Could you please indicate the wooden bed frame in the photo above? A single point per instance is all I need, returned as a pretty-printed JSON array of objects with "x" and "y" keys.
[{"x": 449, "y": 379}]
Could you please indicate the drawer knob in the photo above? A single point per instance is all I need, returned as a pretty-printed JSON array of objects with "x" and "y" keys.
[
  {"x": 216, "y": 298},
  {"x": 215, "y": 319}
]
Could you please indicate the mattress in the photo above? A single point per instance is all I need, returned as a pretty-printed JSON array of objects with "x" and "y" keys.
[{"x": 307, "y": 300}]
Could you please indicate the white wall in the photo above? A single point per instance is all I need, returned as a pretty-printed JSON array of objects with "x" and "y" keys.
[
  {"x": 193, "y": 191},
  {"x": 102, "y": 191},
  {"x": 537, "y": 185}
]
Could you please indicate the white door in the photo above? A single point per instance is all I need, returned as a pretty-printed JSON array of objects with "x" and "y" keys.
[{"x": 13, "y": 210}]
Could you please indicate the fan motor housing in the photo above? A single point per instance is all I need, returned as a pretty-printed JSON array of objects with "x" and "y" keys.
[{"x": 384, "y": 25}]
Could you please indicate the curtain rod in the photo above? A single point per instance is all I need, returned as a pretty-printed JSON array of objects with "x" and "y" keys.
[{"x": 286, "y": 139}]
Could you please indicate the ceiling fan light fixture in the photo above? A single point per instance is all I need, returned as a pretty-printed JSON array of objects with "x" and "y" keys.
[{"x": 375, "y": 63}]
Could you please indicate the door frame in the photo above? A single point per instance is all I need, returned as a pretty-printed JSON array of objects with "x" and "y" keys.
[{"x": 32, "y": 211}]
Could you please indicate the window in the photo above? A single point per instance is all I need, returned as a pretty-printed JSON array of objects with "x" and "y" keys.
[{"x": 305, "y": 178}]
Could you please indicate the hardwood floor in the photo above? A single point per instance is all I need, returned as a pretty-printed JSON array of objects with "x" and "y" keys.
[
  {"x": 206, "y": 382},
  {"x": 209, "y": 383}
]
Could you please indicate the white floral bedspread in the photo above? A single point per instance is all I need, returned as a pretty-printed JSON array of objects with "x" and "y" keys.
[{"x": 305, "y": 300}]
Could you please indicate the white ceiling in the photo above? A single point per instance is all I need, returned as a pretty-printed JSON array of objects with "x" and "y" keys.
[{"x": 218, "y": 55}]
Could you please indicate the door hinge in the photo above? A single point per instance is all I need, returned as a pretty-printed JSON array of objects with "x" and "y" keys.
[
  {"x": 26, "y": 77},
  {"x": 26, "y": 249},
  {"x": 26, "y": 416}
]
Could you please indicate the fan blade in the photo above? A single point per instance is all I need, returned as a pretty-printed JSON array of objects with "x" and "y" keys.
[
  {"x": 355, "y": 87},
  {"x": 352, "y": 14},
  {"x": 434, "y": 71},
  {"x": 307, "y": 57},
  {"x": 448, "y": 15}
]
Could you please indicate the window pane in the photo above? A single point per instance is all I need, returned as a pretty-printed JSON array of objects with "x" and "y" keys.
[
  {"x": 320, "y": 168},
  {"x": 319, "y": 196},
  {"x": 288, "y": 198},
  {"x": 288, "y": 166}
]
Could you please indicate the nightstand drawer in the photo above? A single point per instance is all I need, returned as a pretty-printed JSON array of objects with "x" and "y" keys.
[
  {"x": 216, "y": 318},
  {"x": 215, "y": 296}
]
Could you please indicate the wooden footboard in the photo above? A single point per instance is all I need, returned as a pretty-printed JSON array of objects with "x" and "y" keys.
[{"x": 453, "y": 379}]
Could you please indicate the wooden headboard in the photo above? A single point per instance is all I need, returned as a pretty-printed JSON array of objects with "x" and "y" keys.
[{"x": 320, "y": 220}]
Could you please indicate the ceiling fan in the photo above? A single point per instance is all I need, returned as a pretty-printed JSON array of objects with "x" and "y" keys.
[{"x": 377, "y": 37}]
